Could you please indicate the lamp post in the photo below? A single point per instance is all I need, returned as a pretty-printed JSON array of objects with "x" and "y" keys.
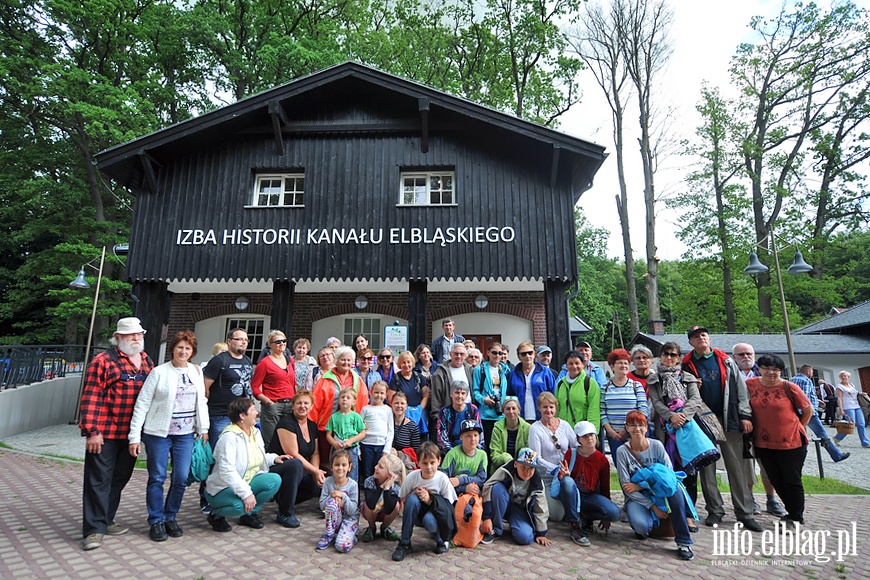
[
  {"x": 799, "y": 266},
  {"x": 81, "y": 283}
]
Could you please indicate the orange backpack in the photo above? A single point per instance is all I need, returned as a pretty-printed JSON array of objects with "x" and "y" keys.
[{"x": 469, "y": 513}]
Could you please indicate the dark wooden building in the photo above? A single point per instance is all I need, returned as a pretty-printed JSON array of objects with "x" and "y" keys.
[{"x": 349, "y": 199}]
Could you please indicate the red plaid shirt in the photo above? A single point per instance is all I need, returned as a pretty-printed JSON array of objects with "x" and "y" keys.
[{"x": 111, "y": 388}]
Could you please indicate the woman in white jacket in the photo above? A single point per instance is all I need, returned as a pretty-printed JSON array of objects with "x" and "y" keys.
[
  {"x": 170, "y": 412},
  {"x": 240, "y": 482}
]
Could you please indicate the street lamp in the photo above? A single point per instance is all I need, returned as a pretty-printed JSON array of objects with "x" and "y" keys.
[
  {"x": 799, "y": 266},
  {"x": 82, "y": 284}
]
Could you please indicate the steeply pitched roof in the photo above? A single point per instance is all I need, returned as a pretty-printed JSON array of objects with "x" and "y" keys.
[
  {"x": 772, "y": 343},
  {"x": 858, "y": 315},
  {"x": 124, "y": 162}
]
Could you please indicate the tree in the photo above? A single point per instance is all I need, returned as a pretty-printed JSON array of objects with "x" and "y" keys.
[
  {"x": 600, "y": 284},
  {"x": 715, "y": 228},
  {"x": 790, "y": 83},
  {"x": 597, "y": 41},
  {"x": 646, "y": 47}
]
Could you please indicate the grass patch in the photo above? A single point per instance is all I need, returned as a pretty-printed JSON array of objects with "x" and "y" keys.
[
  {"x": 5, "y": 445},
  {"x": 812, "y": 486}
]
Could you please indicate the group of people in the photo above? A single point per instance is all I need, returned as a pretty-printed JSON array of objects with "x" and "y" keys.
[{"x": 458, "y": 448}]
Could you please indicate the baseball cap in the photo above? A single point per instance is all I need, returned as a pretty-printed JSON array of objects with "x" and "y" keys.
[
  {"x": 544, "y": 348},
  {"x": 584, "y": 428},
  {"x": 528, "y": 457},
  {"x": 694, "y": 330},
  {"x": 470, "y": 425},
  {"x": 582, "y": 344}
]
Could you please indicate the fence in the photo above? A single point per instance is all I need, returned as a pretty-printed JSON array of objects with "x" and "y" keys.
[{"x": 23, "y": 365}]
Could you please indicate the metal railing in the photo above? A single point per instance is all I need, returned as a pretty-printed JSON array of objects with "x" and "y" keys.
[{"x": 23, "y": 365}]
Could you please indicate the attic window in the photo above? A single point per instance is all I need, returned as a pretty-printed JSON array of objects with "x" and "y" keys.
[
  {"x": 427, "y": 188},
  {"x": 279, "y": 190}
]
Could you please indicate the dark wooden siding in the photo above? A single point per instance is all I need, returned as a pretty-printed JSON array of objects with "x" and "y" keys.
[{"x": 352, "y": 181}]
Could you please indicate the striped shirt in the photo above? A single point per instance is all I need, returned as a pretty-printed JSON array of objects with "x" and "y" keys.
[{"x": 617, "y": 401}]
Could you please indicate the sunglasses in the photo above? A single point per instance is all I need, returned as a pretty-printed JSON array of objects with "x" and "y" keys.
[
  {"x": 676, "y": 354},
  {"x": 496, "y": 352},
  {"x": 384, "y": 356},
  {"x": 527, "y": 353},
  {"x": 280, "y": 341},
  {"x": 556, "y": 442}
]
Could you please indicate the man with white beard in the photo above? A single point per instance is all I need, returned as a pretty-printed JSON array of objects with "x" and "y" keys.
[{"x": 112, "y": 383}]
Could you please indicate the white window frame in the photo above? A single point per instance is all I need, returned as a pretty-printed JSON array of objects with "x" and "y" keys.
[
  {"x": 283, "y": 194},
  {"x": 370, "y": 326},
  {"x": 424, "y": 198}
]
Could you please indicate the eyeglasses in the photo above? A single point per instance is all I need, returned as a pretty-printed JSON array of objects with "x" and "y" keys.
[
  {"x": 496, "y": 352},
  {"x": 642, "y": 357},
  {"x": 325, "y": 355},
  {"x": 556, "y": 442},
  {"x": 384, "y": 356},
  {"x": 242, "y": 339},
  {"x": 670, "y": 354},
  {"x": 635, "y": 426},
  {"x": 280, "y": 341},
  {"x": 527, "y": 353}
]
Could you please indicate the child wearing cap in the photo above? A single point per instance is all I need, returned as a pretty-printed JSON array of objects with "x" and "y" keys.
[
  {"x": 429, "y": 499},
  {"x": 466, "y": 465},
  {"x": 585, "y": 489},
  {"x": 516, "y": 491}
]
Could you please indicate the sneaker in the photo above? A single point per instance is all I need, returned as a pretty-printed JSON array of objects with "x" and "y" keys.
[
  {"x": 390, "y": 534},
  {"x": 756, "y": 510},
  {"x": 205, "y": 508},
  {"x": 578, "y": 537},
  {"x": 173, "y": 529},
  {"x": 116, "y": 530},
  {"x": 92, "y": 542},
  {"x": 368, "y": 535},
  {"x": 712, "y": 520},
  {"x": 751, "y": 525},
  {"x": 324, "y": 542},
  {"x": 775, "y": 508},
  {"x": 401, "y": 551},
  {"x": 219, "y": 524},
  {"x": 251, "y": 521},
  {"x": 288, "y": 521},
  {"x": 588, "y": 526},
  {"x": 157, "y": 533},
  {"x": 843, "y": 457},
  {"x": 487, "y": 539},
  {"x": 685, "y": 553},
  {"x": 441, "y": 547}
]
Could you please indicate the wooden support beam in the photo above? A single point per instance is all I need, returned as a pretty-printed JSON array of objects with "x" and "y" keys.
[
  {"x": 279, "y": 117},
  {"x": 148, "y": 164},
  {"x": 423, "y": 106},
  {"x": 554, "y": 168}
]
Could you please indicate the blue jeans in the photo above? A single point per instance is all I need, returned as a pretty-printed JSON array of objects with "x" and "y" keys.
[
  {"x": 816, "y": 427},
  {"x": 858, "y": 418},
  {"x": 641, "y": 518},
  {"x": 522, "y": 530},
  {"x": 226, "y": 504},
  {"x": 216, "y": 426},
  {"x": 159, "y": 450},
  {"x": 592, "y": 506},
  {"x": 369, "y": 457},
  {"x": 412, "y": 516}
]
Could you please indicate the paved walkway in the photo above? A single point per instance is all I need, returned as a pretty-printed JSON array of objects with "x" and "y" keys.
[{"x": 40, "y": 511}]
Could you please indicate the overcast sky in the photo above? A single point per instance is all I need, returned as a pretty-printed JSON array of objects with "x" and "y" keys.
[{"x": 705, "y": 35}]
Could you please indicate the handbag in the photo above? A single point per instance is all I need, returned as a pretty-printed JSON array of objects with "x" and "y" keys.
[
  {"x": 201, "y": 461},
  {"x": 696, "y": 451},
  {"x": 709, "y": 424}
]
